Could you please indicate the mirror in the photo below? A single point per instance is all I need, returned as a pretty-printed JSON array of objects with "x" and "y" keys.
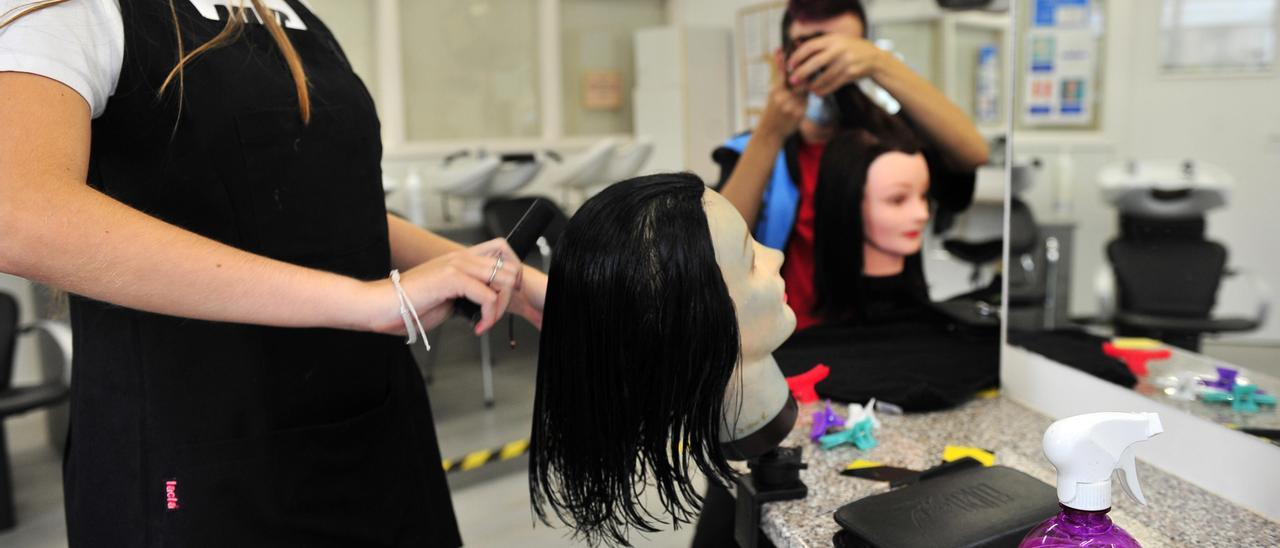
[{"x": 1144, "y": 207}]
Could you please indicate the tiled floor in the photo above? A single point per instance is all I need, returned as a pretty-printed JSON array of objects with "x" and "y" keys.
[{"x": 492, "y": 503}]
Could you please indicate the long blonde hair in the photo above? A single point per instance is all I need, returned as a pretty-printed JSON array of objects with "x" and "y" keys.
[{"x": 235, "y": 25}]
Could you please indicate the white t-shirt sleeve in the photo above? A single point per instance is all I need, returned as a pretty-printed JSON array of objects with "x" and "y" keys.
[{"x": 79, "y": 43}]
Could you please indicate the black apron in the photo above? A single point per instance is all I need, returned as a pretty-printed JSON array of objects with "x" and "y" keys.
[{"x": 194, "y": 433}]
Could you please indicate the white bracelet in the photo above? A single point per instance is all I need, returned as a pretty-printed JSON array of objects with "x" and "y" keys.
[{"x": 408, "y": 313}]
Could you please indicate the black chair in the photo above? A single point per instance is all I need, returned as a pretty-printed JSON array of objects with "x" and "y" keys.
[
  {"x": 500, "y": 215},
  {"x": 1024, "y": 234},
  {"x": 980, "y": 306},
  {"x": 16, "y": 400},
  {"x": 1167, "y": 276}
]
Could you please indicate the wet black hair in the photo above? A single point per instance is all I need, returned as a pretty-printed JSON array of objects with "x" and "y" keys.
[
  {"x": 639, "y": 343},
  {"x": 838, "y": 224},
  {"x": 818, "y": 10}
]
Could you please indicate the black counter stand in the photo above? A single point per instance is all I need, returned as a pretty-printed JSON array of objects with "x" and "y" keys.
[{"x": 774, "y": 476}]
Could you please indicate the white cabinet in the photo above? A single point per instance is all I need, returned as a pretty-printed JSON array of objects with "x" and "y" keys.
[{"x": 684, "y": 96}]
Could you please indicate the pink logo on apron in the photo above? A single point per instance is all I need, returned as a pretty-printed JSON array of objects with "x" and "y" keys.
[{"x": 171, "y": 494}]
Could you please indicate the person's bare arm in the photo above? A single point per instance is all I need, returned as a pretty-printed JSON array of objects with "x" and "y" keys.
[
  {"x": 745, "y": 186},
  {"x": 845, "y": 59},
  {"x": 412, "y": 246},
  {"x": 948, "y": 127},
  {"x": 58, "y": 231}
]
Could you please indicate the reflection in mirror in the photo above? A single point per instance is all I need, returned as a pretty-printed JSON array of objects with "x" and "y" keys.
[
  {"x": 931, "y": 313},
  {"x": 1142, "y": 205}
]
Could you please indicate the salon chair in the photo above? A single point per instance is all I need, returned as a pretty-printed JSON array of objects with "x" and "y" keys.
[
  {"x": 1024, "y": 234},
  {"x": 980, "y": 305},
  {"x": 17, "y": 400},
  {"x": 500, "y": 216},
  {"x": 1165, "y": 274}
]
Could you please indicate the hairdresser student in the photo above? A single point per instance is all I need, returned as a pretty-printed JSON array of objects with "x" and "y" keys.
[
  {"x": 237, "y": 381},
  {"x": 771, "y": 174}
]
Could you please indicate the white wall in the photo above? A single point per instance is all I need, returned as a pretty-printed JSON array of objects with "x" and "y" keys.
[
  {"x": 1233, "y": 122},
  {"x": 352, "y": 22}
]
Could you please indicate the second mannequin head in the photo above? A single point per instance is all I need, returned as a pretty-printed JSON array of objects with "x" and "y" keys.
[{"x": 871, "y": 209}]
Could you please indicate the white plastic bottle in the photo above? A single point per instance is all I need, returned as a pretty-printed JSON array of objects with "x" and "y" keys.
[
  {"x": 987, "y": 95},
  {"x": 414, "y": 200}
]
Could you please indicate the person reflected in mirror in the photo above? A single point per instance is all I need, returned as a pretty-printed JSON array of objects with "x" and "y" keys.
[{"x": 771, "y": 174}]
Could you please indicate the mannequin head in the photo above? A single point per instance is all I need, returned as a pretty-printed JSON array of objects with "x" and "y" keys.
[
  {"x": 750, "y": 272},
  {"x": 653, "y": 287},
  {"x": 871, "y": 190},
  {"x": 895, "y": 210}
]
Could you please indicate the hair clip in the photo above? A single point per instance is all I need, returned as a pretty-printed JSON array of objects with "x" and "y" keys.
[
  {"x": 859, "y": 436},
  {"x": 822, "y": 420},
  {"x": 802, "y": 385}
]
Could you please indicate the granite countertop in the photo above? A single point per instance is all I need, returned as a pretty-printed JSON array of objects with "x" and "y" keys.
[{"x": 1178, "y": 514}]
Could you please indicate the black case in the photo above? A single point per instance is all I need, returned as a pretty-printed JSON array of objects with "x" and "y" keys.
[{"x": 993, "y": 506}]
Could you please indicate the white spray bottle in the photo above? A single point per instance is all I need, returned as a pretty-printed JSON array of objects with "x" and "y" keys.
[
  {"x": 1087, "y": 450},
  {"x": 415, "y": 197}
]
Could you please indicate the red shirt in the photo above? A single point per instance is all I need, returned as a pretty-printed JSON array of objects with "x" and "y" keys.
[{"x": 797, "y": 265}]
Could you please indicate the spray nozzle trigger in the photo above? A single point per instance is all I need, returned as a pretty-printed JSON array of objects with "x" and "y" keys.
[
  {"x": 1128, "y": 468},
  {"x": 1089, "y": 449}
]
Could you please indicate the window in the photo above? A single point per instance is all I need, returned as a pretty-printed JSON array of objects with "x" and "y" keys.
[
  {"x": 1218, "y": 35},
  {"x": 470, "y": 69}
]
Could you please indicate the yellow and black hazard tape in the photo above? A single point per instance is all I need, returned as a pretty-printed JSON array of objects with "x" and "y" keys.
[{"x": 477, "y": 459}]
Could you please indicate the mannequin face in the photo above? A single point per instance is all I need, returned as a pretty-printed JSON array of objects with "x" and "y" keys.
[
  {"x": 751, "y": 273},
  {"x": 895, "y": 210}
]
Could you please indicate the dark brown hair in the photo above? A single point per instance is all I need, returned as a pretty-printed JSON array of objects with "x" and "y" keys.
[{"x": 818, "y": 10}]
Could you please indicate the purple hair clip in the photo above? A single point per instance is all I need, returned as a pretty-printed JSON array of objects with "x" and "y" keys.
[
  {"x": 822, "y": 420},
  {"x": 1226, "y": 379}
]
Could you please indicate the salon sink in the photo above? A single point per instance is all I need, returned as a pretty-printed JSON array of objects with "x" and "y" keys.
[
  {"x": 1165, "y": 188},
  {"x": 467, "y": 178},
  {"x": 512, "y": 176},
  {"x": 628, "y": 160},
  {"x": 587, "y": 169}
]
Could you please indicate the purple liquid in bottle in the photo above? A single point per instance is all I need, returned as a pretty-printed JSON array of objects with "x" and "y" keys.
[{"x": 1072, "y": 528}]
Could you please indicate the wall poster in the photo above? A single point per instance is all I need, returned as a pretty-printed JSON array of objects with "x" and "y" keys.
[{"x": 1061, "y": 64}]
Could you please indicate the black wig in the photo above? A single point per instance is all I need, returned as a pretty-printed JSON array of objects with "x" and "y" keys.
[
  {"x": 639, "y": 343},
  {"x": 838, "y": 225}
]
